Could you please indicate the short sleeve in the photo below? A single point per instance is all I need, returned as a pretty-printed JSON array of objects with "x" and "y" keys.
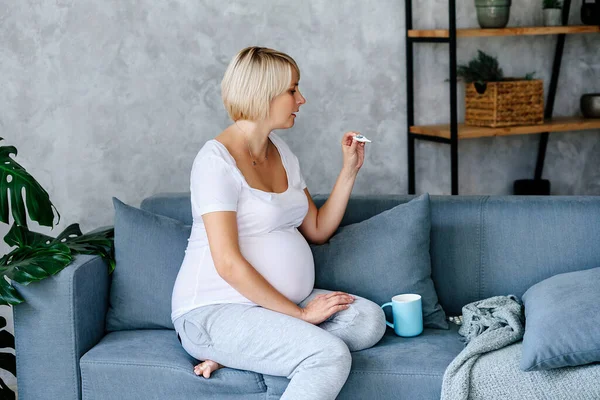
[{"x": 213, "y": 186}]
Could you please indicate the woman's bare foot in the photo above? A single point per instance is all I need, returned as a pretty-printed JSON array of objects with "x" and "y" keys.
[{"x": 206, "y": 368}]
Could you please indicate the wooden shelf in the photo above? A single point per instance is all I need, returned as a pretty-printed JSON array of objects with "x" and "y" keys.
[
  {"x": 559, "y": 124},
  {"x": 516, "y": 31}
]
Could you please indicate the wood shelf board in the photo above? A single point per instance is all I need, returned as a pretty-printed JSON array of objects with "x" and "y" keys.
[
  {"x": 514, "y": 31},
  {"x": 559, "y": 124}
]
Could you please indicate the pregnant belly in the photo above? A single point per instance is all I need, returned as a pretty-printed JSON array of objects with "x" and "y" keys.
[{"x": 284, "y": 259}]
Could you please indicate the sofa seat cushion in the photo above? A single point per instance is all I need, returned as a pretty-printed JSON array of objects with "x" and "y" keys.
[
  {"x": 396, "y": 368},
  {"x": 151, "y": 364}
]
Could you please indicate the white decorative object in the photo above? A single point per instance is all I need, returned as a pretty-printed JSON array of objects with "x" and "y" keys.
[{"x": 361, "y": 138}]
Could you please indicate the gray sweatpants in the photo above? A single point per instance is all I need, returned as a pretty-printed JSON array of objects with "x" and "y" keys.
[{"x": 315, "y": 358}]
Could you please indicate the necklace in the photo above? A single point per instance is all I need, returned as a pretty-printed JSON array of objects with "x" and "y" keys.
[{"x": 248, "y": 145}]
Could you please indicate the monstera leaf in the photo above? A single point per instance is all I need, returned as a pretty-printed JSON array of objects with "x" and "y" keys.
[
  {"x": 13, "y": 179},
  {"x": 8, "y": 293},
  {"x": 29, "y": 264},
  {"x": 95, "y": 242},
  {"x": 39, "y": 256},
  {"x": 8, "y": 361},
  {"x": 7, "y": 340},
  {"x": 20, "y": 236}
]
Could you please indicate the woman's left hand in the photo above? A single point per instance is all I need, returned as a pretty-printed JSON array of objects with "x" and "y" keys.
[{"x": 353, "y": 152}]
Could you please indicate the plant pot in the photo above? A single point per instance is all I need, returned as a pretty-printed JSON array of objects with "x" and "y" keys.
[
  {"x": 493, "y": 13},
  {"x": 531, "y": 187},
  {"x": 552, "y": 17},
  {"x": 590, "y": 105},
  {"x": 590, "y": 13}
]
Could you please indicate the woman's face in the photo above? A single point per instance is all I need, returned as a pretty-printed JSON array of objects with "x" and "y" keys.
[{"x": 284, "y": 106}]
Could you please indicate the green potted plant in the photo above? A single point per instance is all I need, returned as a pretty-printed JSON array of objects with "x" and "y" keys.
[
  {"x": 493, "y": 100},
  {"x": 35, "y": 256},
  {"x": 552, "y": 10},
  {"x": 480, "y": 70}
]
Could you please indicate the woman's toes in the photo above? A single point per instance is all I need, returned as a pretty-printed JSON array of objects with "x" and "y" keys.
[
  {"x": 210, "y": 367},
  {"x": 206, "y": 368}
]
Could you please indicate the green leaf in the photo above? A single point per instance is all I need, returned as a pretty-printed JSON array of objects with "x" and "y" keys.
[
  {"x": 7, "y": 340},
  {"x": 483, "y": 68},
  {"x": 5, "y": 392},
  {"x": 8, "y": 294},
  {"x": 8, "y": 363},
  {"x": 39, "y": 256},
  {"x": 29, "y": 264},
  {"x": 38, "y": 202},
  {"x": 96, "y": 242},
  {"x": 21, "y": 236}
]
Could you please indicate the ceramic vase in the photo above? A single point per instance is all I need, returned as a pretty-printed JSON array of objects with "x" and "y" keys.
[{"x": 493, "y": 13}]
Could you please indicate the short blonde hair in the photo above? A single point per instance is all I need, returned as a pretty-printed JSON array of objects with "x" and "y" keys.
[{"x": 253, "y": 78}]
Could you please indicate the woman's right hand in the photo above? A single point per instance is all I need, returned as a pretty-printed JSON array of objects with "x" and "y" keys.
[{"x": 324, "y": 306}]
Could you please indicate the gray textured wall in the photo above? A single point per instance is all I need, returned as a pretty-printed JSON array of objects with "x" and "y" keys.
[{"x": 115, "y": 97}]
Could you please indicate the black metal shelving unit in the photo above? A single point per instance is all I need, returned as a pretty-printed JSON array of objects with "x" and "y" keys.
[{"x": 453, "y": 140}]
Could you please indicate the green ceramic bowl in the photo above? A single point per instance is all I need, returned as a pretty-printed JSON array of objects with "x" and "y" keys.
[{"x": 493, "y": 13}]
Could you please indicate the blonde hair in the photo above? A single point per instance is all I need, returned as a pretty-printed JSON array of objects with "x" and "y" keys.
[{"x": 253, "y": 78}]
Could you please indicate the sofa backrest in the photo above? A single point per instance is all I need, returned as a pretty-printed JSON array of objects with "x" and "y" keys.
[{"x": 481, "y": 246}]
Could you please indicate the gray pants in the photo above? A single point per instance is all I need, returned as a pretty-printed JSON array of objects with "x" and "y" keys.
[{"x": 315, "y": 358}]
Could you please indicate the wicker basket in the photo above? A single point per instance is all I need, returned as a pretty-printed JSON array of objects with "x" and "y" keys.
[{"x": 506, "y": 103}]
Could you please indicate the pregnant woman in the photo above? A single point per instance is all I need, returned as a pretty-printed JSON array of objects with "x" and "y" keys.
[{"x": 244, "y": 296}]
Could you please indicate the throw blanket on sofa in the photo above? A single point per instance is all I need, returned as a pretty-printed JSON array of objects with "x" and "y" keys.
[
  {"x": 488, "y": 325},
  {"x": 496, "y": 375}
]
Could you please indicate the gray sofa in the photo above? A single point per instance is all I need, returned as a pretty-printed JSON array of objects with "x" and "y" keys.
[{"x": 481, "y": 246}]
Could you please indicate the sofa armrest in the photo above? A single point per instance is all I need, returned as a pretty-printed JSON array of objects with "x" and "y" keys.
[{"x": 62, "y": 318}]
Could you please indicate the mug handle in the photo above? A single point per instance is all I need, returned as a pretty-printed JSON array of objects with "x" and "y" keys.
[{"x": 388, "y": 323}]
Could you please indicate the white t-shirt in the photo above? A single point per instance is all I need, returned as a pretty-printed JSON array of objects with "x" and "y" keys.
[{"x": 267, "y": 229}]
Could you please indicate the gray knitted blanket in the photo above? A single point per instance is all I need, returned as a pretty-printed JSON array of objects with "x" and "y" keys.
[
  {"x": 488, "y": 325},
  {"x": 496, "y": 376},
  {"x": 480, "y": 373}
]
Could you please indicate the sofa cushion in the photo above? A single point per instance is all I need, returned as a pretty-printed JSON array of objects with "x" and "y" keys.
[
  {"x": 562, "y": 321},
  {"x": 151, "y": 364},
  {"x": 395, "y": 368},
  {"x": 383, "y": 256},
  {"x": 149, "y": 250}
]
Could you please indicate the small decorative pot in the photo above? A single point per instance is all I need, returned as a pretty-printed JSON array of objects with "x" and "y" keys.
[
  {"x": 493, "y": 13},
  {"x": 590, "y": 105},
  {"x": 552, "y": 17}
]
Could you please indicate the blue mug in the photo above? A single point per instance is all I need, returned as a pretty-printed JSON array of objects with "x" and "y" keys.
[{"x": 408, "y": 315}]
